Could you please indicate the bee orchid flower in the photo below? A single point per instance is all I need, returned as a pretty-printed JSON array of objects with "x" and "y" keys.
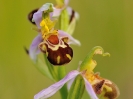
[
  {"x": 95, "y": 85},
  {"x": 54, "y": 43}
]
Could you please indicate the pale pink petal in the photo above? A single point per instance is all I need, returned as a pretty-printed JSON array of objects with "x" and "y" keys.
[
  {"x": 71, "y": 39},
  {"x": 56, "y": 12},
  {"x": 90, "y": 90},
  {"x": 69, "y": 83},
  {"x": 48, "y": 92},
  {"x": 37, "y": 17},
  {"x": 33, "y": 51}
]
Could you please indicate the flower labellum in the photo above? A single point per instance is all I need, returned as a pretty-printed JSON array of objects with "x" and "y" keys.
[{"x": 55, "y": 47}]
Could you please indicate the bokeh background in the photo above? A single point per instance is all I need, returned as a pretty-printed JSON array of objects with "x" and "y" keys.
[{"x": 107, "y": 23}]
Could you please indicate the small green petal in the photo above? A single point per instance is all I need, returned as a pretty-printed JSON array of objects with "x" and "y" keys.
[
  {"x": 50, "y": 9},
  {"x": 88, "y": 63}
]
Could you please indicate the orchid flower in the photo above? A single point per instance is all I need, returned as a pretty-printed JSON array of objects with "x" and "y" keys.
[
  {"x": 95, "y": 85},
  {"x": 54, "y": 43},
  {"x": 35, "y": 16}
]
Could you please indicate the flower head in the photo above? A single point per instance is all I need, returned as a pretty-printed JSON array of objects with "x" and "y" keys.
[
  {"x": 54, "y": 43},
  {"x": 94, "y": 84},
  {"x": 35, "y": 16}
]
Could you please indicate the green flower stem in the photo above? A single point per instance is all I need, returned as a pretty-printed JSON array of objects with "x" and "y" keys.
[
  {"x": 77, "y": 88},
  {"x": 64, "y": 92},
  {"x": 63, "y": 24},
  {"x": 61, "y": 73},
  {"x": 51, "y": 68}
]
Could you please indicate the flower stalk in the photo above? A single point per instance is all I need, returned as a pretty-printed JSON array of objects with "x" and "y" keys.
[{"x": 63, "y": 25}]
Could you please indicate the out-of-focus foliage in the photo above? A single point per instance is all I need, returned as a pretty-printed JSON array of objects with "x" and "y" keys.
[{"x": 105, "y": 23}]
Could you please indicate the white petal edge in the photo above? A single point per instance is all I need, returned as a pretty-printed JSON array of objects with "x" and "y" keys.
[
  {"x": 48, "y": 92},
  {"x": 90, "y": 90},
  {"x": 71, "y": 39}
]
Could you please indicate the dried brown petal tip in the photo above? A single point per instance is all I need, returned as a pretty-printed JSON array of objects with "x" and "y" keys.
[
  {"x": 26, "y": 50},
  {"x": 30, "y": 15}
]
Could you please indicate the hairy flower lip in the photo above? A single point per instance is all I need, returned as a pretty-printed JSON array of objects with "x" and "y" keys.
[{"x": 34, "y": 50}]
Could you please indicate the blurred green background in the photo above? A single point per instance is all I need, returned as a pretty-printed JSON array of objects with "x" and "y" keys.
[{"x": 107, "y": 23}]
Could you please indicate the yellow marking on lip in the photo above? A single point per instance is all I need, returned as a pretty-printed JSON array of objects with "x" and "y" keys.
[
  {"x": 68, "y": 56},
  {"x": 58, "y": 59},
  {"x": 42, "y": 46}
]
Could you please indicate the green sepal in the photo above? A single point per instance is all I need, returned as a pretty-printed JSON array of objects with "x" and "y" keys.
[
  {"x": 88, "y": 63},
  {"x": 77, "y": 88}
]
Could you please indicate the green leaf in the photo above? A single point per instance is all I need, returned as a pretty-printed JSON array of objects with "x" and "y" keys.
[{"x": 43, "y": 68}]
